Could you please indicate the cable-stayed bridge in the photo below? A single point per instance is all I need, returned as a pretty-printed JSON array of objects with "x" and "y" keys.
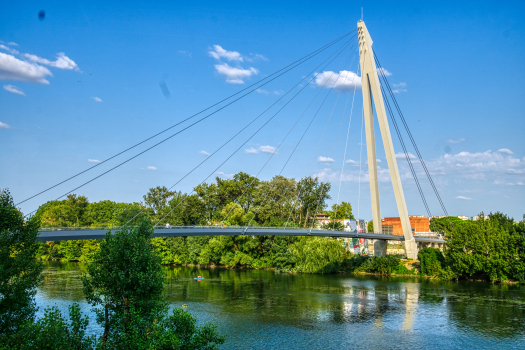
[{"x": 377, "y": 94}]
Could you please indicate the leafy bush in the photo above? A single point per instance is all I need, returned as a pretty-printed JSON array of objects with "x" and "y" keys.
[
  {"x": 432, "y": 261},
  {"x": 53, "y": 331},
  {"x": 384, "y": 266}
]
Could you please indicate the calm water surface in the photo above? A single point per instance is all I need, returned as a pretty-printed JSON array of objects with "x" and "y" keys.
[{"x": 267, "y": 310}]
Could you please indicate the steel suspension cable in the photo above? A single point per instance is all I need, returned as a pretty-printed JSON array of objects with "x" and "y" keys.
[
  {"x": 305, "y": 58},
  {"x": 285, "y": 139},
  {"x": 413, "y": 141},
  {"x": 407, "y": 156},
  {"x": 321, "y": 194},
  {"x": 344, "y": 156},
  {"x": 360, "y": 162},
  {"x": 338, "y": 53},
  {"x": 297, "y": 145},
  {"x": 321, "y": 139},
  {"x": 335, "y": 142},
  {"x": 171, "y": 136}
]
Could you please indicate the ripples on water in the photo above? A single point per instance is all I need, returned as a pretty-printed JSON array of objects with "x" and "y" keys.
[{"x": 267, "y": 310}]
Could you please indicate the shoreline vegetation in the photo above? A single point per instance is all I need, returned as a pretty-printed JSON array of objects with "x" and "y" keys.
[{"x": 491, "y": 250}]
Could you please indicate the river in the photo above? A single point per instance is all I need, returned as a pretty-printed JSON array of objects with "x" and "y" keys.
[{"x": 258, "y": 309}]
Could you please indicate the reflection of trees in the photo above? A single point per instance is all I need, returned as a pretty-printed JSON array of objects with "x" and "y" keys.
[
  {"x": 283, "y": 297},
  {"x": 62, "y": 281},
  {"x": 492, "y": 310}
]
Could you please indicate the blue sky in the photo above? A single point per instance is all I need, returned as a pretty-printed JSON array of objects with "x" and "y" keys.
[{"x": 92, "y": 78}]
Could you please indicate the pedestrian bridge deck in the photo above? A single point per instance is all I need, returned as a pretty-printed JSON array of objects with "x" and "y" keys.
[{"x": 77, "y": 233}]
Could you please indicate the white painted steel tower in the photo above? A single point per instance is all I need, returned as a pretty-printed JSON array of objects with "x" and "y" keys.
[{"x": 372, "y": 89}]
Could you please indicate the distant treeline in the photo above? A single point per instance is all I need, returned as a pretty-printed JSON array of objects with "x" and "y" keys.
[
  {"x": 492, "y": 249},
  {"x": 238, "y": 201}
]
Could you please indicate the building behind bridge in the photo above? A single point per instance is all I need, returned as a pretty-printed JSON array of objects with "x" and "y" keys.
[{"x": 392, "y": 225}]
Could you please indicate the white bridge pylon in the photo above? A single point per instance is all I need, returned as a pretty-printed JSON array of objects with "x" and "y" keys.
[{"x": 372, "y": 88}]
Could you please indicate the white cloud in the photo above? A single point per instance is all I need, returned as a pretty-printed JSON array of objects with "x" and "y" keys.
[
  {"x": 378, "y": 160},
  {"x": 258, "y": 57},
  {"x": 11, "y": 68},
  {"x": 218, "y": 52},
  {"x": 385, "y": 72},
  {"x": 463, "y": 169},
  {"x": 400, "y": 85},
  {"x": 185, "y": 53},
  {"x": 96, "y": 99},
  {"x": 220, "y": 173},
  {"x": 267, "y": 149},
  {"x": 353, "y": 162},
  {"x": 463, "y": 197},
  {"x": 481, "y": 166},
  {"x": 519, "y": 183},
  {"x": 204, "y": 153},
  {"x": 12, "y": 43},
  {"x": 62, "y": 61},
  {"x": 344, "y": 80},
  {"x": 505, "y": 150},
  {"x": 251, "y": 150},
  {"x": 452, "y": 142},
  {"x": 326, "y": 160},
  {"x": 401, "y": 155},
  {"x": 151, "y": 168},
  {"x": 93, "y": 160},
  {"x": 4, "y": 126},
  {"x": 8, "y": 49},
  {"x": 235, "y": 75},
  {"x": 13, "y": 89},
  {"x": 265, "y": 92}
]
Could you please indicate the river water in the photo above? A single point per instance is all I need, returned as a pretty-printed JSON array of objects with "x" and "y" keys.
[{"x": 259, "y": 309}]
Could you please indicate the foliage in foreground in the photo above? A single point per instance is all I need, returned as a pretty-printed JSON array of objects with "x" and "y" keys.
[
  {"x": 19, "y": 271},
  {"x": 124, "y": 284}
]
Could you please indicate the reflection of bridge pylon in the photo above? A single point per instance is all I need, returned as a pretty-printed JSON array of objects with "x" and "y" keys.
[{"x": 372, "y": 88}]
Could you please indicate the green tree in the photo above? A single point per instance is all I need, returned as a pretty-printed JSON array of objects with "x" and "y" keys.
[
  {"x": 125, "y": 280},
  {"x": 19, "y": 271},
  {"x": 274, "y": 199},
  {"x": 446, "y": 224},
  {"x": 341, "y": 211},
  {"x": 65, "y": 213},
  {"x": 317, "y": 254},
  {"x": 334, "y": 225},
  {"x": 484, "y": 249},
  {"x": 312, "y": 196},
  {"x": 124, "y": 284},
  {"x": 370, "y": 226},
  {"x": 158, "y": 197}
]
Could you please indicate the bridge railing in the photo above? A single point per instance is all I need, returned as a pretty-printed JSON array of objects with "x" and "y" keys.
[
  {"x": 428, "y": 234},
  {"x": 87, "y": 228}
]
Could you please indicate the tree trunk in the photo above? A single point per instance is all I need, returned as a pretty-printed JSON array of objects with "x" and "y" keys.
[
  {"x": 306, "y": 217},
  {"x": 106, "y": 327},
  {"x": 125, "y": 303}
]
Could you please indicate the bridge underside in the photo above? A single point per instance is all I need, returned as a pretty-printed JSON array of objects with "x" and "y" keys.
[{"x": 67, "y": 235}]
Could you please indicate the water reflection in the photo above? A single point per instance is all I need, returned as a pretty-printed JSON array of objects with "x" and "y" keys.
[{"x": 254, "y": 306}]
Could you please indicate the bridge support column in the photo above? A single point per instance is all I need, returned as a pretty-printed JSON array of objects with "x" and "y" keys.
[
  {"x": 380, "y": 247},
  {"x": 372, "y": 96}
]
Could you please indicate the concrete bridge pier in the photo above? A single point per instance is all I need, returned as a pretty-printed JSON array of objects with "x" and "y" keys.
[{"x": 380, "y": 247}]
